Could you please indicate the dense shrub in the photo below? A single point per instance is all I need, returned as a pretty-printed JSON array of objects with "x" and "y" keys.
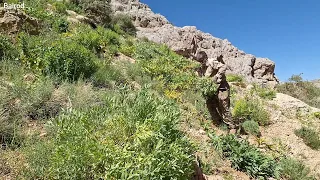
[
  {"x": 60, "y": 7},
  {"x": 250, "y": 109},
  {"x": 251, "y": 127},
  {"x": 108, "y": 76},
  {"x": 264, "y": 92},
  {"x": 99, "y": 41},
  {"x": 235, "y": 78},
  {"x": 32, "y": 50},
  {"x": 131, "y": 136},
  {"x": 128, "y": 47},
  {"x": 39, "y": 9},
  {"x": 22, "y": 96},
  {"x": 7, "y": 50},
  {"x": 303, "y": 90},
  {"x": 125, "y": 24},
  {"x": 97, "y": 10},
  {"x": 61, "y": 25},
  {"x": 206, "y": 86},
  {"x": 294, "y": 170},
  {"x": 162, "y": 64},
  {"x": 310, "y": 137},
  {"x": 68, "y": 60},
  {"x": 245, "y": 157}
]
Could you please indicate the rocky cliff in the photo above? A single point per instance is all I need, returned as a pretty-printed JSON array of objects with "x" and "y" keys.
[{"x": 157, "y": 28}]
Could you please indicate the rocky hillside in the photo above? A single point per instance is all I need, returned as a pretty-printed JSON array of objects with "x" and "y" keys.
[
  {"x": 157, "y": 28},
  {"x": 82, "y": 97},
  {"x": 317, "y": 83}
]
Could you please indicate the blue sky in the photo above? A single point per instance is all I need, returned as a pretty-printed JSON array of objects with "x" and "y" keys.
[{"x": 285, "y": 31}]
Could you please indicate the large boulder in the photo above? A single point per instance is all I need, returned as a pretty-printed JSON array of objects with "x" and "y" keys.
[
  {"x": 12, "y": 21},
  {"x": 157, "y": 28}
]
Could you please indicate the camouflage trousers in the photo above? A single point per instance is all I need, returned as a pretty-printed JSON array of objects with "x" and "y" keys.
[
  {"x": 224, "y": 107},
  {"x": 219, "y": 107}
]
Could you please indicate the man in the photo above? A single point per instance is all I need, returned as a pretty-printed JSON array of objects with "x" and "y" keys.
[{"x": 219, "y": 103}]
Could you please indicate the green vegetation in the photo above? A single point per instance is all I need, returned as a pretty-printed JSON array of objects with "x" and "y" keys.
[
  {"x": 73, "y": 106},
  {"x": 235, "y": 78},
  {"x": 316, "y": 115},
  {"x": 300, "y": 89},
  {"x": 294, "y": 170},
  {"x": 162, "y": 64},
  {"x": 265, "y": 93},
  {"x": 175, "y": 72},
  {"x": 123, "y": 25},
  {"x": 98, "y": 10},
  {"x": 130, "y": 135},
  {"x": 69, "y": 61},
  {"x": 250, "y": 109},
  {"x": 310, "y": 137},
  {"x": 99, "y": 123},
  {"x": 251, "y": 127},
  {"x": 6, "y": 48},
  {"x": 245, "y": 157},
  {"x": 22, "y": 96}
]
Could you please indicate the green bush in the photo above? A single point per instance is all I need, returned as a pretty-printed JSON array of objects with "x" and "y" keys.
[
  {"x": 99, "y": 10},
  {"x": 245, "y": 157},
  {"x": 162, "y": 64},
  {"x": 108, "y": 76},
  {"x": 317, "y": 115},
  {"x": 130, "y": 136},
  {"x": 7, "y": 50},
  {"x": 99, "y": 41},
  {"x": 60, "y": 7},
  {"x": 37, "y": 158},
  {"x": 250, "y": 109},
  {"x": 300, "y": 89},
  {"x": 37, "y": 9},
  {"x": 46, "y": 19},
  {"x": 128, "y": 48},
  {"x": 234, "y": 78},
  {"x": 22, "y": 99},
  {"x": 207, "y": 86},
  {"x": 125, "y": 24},
  {"x": 294, "y": 170},
  {"x": 32, "y": 50},
  {"x": 265, "y": 93},
  {"x": 61, "y": 25},
  {"x": 251, "y": 127},
  {"x": 88, "y": 37},
  {"x": 68, "y": 60},
  {"x": 310, "y": 137}
]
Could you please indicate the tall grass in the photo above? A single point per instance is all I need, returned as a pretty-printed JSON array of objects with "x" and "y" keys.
[{"x": 130, "y": 136}]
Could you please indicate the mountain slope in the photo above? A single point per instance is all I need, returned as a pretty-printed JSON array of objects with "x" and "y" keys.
[{"x": 157, "y": 28}]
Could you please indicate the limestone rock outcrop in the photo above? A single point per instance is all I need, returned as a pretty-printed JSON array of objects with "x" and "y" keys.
[
  {"x": 12, "y": 21},
  {"x": 157, "y": 28}
]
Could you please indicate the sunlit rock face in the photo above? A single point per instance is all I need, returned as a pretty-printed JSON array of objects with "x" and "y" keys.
[{"x": 157, "y": 28}]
